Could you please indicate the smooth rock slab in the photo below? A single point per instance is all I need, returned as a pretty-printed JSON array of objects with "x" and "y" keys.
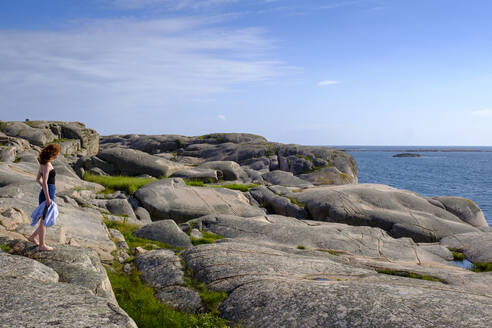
[
  {"x": 181, "y": 299},
  {"x": 166, "y": 231},
  {"x": 74, "y": 265},
  {"x": 34, "y": 304},
  {"x": 290, "y": 303},
  {"x": 160, "y": 268},
  {"x": 352, "y": 240},
  {"x": 401, "y": 213},
  {"x": 168, "y": 199},
  {"x": 477, "y": 246},
  {"x": 14, "y": 266},
  {"x": 283, "y": 178}
]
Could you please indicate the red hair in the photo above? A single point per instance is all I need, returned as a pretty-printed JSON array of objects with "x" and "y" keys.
[{"x": 48, "y": 153}]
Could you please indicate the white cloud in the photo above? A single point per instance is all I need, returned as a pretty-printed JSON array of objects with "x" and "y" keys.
[
  {"x": 221, "y": 117},
  {"x": 483, "y": 113},
  {"x": 328, "y": 82},
  {"x": 110, "y": 66},
  {"x": 169, "y": 4}
]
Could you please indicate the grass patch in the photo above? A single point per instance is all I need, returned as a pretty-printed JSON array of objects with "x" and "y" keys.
[
  {"x": 126, "y": 230},
  {"x": 233, "y": 186},
  {"x": 301, "y": 247},
  {"x": 208, "y": 238},
  {"x": 139, "y": 302},
  {"x": 211, "y": 299},
  {"x": 295, "y": 201},
  {"x": 5, "y": 248},
  {"x": 412, "y": 275},
  {"x": 194, "y": 183},
  {"x": 123, "y": 183},
  {"x": 304, "y": 157},
  {"x": 482, "y": 267},
  {"x": 458, "y": 256},
  {"x": 237, "y": 186},
  {"x": 3, "y": 125}
]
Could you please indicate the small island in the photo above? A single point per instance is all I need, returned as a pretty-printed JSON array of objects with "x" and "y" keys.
[{"x": 407, "y": 155}]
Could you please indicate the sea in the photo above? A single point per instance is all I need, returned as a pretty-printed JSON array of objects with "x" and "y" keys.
[{"x": 440, "y": 171}]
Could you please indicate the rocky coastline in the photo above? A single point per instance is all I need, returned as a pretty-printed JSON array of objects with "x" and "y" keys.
[{"x": 277, "y": 235}]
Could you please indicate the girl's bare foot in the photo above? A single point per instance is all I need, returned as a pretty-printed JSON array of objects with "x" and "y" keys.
[
  {"x": 33, "y": 240},
  {"x": 45, "y": 248}
]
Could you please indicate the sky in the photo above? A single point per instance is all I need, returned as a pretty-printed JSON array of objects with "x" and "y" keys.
[{"x": 314, "y": 72}]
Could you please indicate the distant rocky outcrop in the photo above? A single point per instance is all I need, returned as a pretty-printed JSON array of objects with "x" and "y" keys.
[
  {"x": 407, "y": 155},
  {"x": 18, "y": 138}
]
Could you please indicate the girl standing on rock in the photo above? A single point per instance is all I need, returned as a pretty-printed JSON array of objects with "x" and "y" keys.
[{"x": 46, "y": 178}]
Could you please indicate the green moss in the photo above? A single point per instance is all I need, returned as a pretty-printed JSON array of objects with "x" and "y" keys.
[
  {"x": 5, "y": 248},
  {"x": 194, "y": 183},
  {"x": 179, "y": 143},
  {"x": 211, "y": 299},
  {"x": 412, "y": 275},
  {"x": 127, "y": 229},
  {"x": 17, "y": 160},
  {"x": 295, "y": 201},
  {"x": 139, "y": 302},
  {"x": 301, "y": 247},
  {"x": 208, "y": 238},
  {"x": 236, "y": 186},
  {"x": 482, "y": 267},
  {"x": 3, "y": 125},
  {"x": 123, "y": 183},
  {"x": 305, "y": 157},
  {"x": 458, "y": 256}
]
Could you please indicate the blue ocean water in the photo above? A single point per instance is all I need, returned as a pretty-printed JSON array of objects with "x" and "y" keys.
[{"x": 441, "y": 171}]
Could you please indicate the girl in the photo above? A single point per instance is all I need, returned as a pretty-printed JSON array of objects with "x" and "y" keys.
[{"x": 46, "y": 178}]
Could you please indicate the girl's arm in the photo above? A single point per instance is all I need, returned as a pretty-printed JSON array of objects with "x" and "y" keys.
[
  {"x": 45, "y": 169},
  {"x": 39, "y": 178}
]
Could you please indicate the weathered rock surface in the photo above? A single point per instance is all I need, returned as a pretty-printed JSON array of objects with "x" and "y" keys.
[
  {"x": 463, "y": 208},
  {"x": 31, "y": 303},
  {"x": 197, "y": 174},
  {"x": 169, "y": 199},
  {"x": 74, "y": 265},
  {"x": 285, "y": 179},
  {"x": 278, "y": 204},
  {"x": 120, "y": 161},
  {"x": 14, "y": 266},
  {"x": 160, "y": 268},
  {"x": 271, "y": 285},
  {"x": 166, "y": 231},
  {"x": 351, "y": 240},
  {"x": 402, "y": 213},
  {"x": 291, "y": 303},
  {"x": 229, "y": 170},
  {"x": 477, "y": 246},
  {"x": 143, "y": 215}
]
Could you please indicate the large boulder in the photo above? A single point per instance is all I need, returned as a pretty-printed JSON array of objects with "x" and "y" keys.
[
  {"x": 14, "y": 266},
  {"x": 477, "y": 246},
  {"x": 166, "y": 231},
  {"x": 334, "y": 237},
  {"x": 121, "y": 161},
  {"x": 197, "y": 174},
  {"x": 328, "y": 176},
  {"x": 74, "y": 265},
  {"x": 38, "y": 137},
  {"x": 285, "y": 179},
  {"x": 401, "y": 213},
  {"x": 463, "y": 208},
  {"x": 271, "y": 285},
  {"x": 169, "y": 199},
  {"x": 230, "y": 170},
  {"x": 32, "y": 303}
]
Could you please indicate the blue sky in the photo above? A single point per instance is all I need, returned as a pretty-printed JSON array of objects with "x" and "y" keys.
[{"x": 318, "y": 72}]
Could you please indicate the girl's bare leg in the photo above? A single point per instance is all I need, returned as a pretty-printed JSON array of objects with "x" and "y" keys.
[
  {"x": 42, "y": 235},
  {"x": 32, "y": 238}
]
